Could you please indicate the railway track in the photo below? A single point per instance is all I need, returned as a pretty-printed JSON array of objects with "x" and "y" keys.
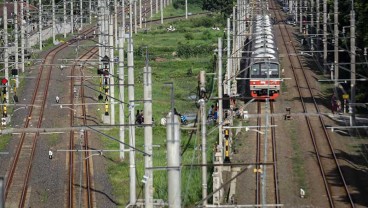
[
  {"x": 266, "y": 153},
  {"x": 337, "y": 192},
  {"x": 19, "y": 174},
  {"x": 79, "y": 167}
]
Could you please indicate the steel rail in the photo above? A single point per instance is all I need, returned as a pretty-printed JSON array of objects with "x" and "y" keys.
[{"x": 313, "y": 137}]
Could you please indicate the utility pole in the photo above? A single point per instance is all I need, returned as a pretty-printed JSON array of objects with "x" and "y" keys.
[
  {"x": 130, "y": 19},
  {"x": 112, "y": 71},
  {"x": 64, "y": 18},
  {"x": 219, "y": 89},
  {"x": 162, "y": 12},
  {"x": 135, "y": 16},
  {"x": 156, "y": 6},
  {"x": 123, "y": 19},
  {"x": 234, "y": 52},
  {"x": 72, "y": 16},
  {"x": 228, "y": 58},
  {"x": 173, "y": 160},
  {"x": 90, "y": 11},
  {"x": 81, "y": 14},
  {"x": 6, "y": 48},
  {"x": 336, "y": 48},
  {"x": 151, "y": 9},
  {"x": 53, "y": 21},
  {"x": 325, "y": 36},
  {"x": 352, "y": 61},
  {"x": 202, "y": 103},
  {"x": 186, "y": 9},
  {"x": 148, "y": 188},
  {"x": 22, "y": 35},
  {"x": 116, "y": 23},
  {"x": 121, "y": 95},
  {"x": 140, "y": 14},
  {"x": 131, "y": 122},
  {"x": 300, "y": 16},
  {"x": 27, "y": 26},
  {"x": 312, "y": 18},
  {"x": 317, "y": 20},
  {"x": 16, "y": 46}
]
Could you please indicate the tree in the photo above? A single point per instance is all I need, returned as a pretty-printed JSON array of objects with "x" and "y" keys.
[{"x": 225, "y": 7}]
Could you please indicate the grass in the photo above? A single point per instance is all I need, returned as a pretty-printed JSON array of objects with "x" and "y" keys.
[
  {"x": 166, "y": 67},
  {"x": 298, "y": 160}
]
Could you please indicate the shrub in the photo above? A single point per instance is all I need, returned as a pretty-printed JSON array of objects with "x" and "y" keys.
[{"x": 189, "y": 36}]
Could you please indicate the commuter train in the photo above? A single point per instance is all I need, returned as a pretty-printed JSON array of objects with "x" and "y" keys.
[{"x": 260, "y": 61}]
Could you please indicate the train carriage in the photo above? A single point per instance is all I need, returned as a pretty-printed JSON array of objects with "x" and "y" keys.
[{"x": 263, "y": 68}]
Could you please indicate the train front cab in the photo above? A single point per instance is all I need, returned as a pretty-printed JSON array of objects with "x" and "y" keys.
[{"x": 265, "y": 80}]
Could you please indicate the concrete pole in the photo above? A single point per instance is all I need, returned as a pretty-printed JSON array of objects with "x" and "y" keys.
[
  {"x": 22, "y": 35},
  {"x": 123, "y": 19},
  {"x": 140, "y": 14},
  {"x": 6, "y": 47},
  {"x": 300, "y": 16},
  {"x": 64, "y": 17},
  {"x": 112, "y": 71},
  {"x": 121, "y": 95},
  {"x": 162, "y": 12},
  {"x": 228, "y": 67},
  {"x": 186, "y": 9},
  {"x": 202, "y": 103},
  {"x": 296, "y": 11},
  {"x": 147, "y": 87},
  {"x": 116, "y": 23},
  {"x": 219, "y": 86},
  {"x": 135, "y": 16},
  {"x": 106, "y": 28},
  {"x": 72, "y": 16},
  {"x": 173, "y": 160},
  {"x": 151, "y": 7},
  {"x": 90, "y": 11},
  {"x": 336, "y": 45},
  {"x": 312, "y": 17},
  {"x": 81, "y": 14},
  {"x": 234, "y": 39},
  {"x": 352, "y": 61},
  {"x": 318, "y": 27},
  {"x": 53, "y": 21},
  {"x": 130, "y": 20},
  {"x": 16, "y": 44},
  {"x": 324, "y": 40},
  {"x": 317, "y": 18},
  {"x": 27, "y": 26},
  {"x": 100, "y": 31},
  {"x": 156, "y": 6},
  {"x": 131, "y": 122}
]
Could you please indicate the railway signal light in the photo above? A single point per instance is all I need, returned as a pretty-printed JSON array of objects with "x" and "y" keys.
[
  {"x": 226, "y": 101},
  {"x": 100, "y": 97},
  {"x": 5, "y": 113},
  {"x": 99, "y": 71},
  {"x": 14, "y": 72},
  {"x": 4, "y": 81},
  {"x": 227, "y": 148},
  {"x": 106, "y": 109}
]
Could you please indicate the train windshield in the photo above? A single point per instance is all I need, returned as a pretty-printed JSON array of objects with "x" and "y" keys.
[{"x": 265, "y": 70}]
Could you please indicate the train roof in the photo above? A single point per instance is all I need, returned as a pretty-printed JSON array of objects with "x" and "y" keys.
[{"x": 263, "y": 41}]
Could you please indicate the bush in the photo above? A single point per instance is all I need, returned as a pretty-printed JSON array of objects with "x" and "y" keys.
[
  {"x": 189, "y": 36},
  {"x": 191, "y": 50}
]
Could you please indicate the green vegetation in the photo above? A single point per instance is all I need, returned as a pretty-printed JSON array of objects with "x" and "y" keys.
[
  {"x": 174, "y": 58},
  {"x": 297, "y": 159}
]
